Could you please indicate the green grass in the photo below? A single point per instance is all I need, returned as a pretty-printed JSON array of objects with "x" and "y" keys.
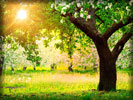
[{"x": 61, "y": 85}]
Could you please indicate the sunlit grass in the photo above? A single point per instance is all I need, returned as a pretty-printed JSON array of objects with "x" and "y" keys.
[{"x": 63, "y": 84}]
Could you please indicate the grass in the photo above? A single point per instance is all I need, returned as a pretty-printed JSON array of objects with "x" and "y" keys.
[{"x": 61, "y": 85}]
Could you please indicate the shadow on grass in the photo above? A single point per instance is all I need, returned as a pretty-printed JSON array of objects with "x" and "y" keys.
[
  {"x": 80, "y": 95},
  {"x": 85, "y": 71},
  {"x": 8, "y": 72}
]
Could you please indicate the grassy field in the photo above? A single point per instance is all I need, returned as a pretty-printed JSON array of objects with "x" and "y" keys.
[{"x": 61, "y": 85}]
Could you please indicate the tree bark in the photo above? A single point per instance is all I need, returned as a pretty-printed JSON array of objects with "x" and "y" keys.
[
  {"x": 107, "y": 64},
  {"x": 70, "y": 67},
  {"x": 34, "y": 67},
  {"x": 107, "y": 75},
  {"x": 24, "y": 68}
]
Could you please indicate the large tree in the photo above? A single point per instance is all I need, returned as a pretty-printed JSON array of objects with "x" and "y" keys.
[{"x": 99, "y": 20}]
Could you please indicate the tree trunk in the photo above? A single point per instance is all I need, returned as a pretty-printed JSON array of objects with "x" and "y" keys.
[
  {"x": 34, "y": 67},
  {"x": 107, "y": 64},
  {"x": 24, "y": 68},
  {"x": 70, "y": 67},
  {"x": 107, "y": 75}
]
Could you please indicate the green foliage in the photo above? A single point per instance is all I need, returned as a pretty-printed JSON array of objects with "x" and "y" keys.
[{"x": 108, "y": 11}]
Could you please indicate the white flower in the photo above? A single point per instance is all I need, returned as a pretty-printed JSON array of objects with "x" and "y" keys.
[
  {"x": 52, "y": 5},
  {"x": 110, "y": 5},
  {"x": 115, "y": 20},
  {"x": 127, "y": 8},
  {"x": 89, "y": 16},
  {"x": 63, "y": 12},
  {"x": 75, "y": 14},
  {"x": 67, "y": 6},
  {"x": 81, "y": 9},
  {"x": 78, "y": 5},
  {"x": 106, "y": 7},
  {"x": 61, "y": 21},
  {"x": 64, "y": 8},
  {"x": 92, "y": 5},
  {"x": 81, "y": 15}
]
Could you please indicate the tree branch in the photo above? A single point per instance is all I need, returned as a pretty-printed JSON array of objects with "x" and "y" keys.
[
  {"x": 120, "y": 44},
  {"x": 114, "y": 27},
  {"x": 99, "y": 18},
  {"x": 86, "y": 27}
]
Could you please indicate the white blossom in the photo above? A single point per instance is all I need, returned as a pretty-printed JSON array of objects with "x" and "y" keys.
[
  {"x": 75, "y": 14},
  {"x": 127, "y": 8},
  {"x": 61, "y": 21},
  {"x": 52, "y": 5},
  {"x": 67, "y": 6},
  {"x": 89, "y": 16},
  {"x": 81, "y": 10},
  {"x": 106, "y": 7},
  {"x": 110, "y": 5},
  {"x": 81, "y": 15},
  {"x": 115, "y": 20},
  {"x": 78, "y": 5}
]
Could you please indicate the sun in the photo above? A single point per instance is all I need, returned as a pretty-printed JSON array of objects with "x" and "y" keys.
[{"x": 22, "y": 14}]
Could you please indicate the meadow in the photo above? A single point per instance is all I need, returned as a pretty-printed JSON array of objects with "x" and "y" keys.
[{"x": 44, "y": 84}]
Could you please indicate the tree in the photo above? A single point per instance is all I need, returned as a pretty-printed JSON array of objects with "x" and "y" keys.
[
  {"x": 99, "y": 20},
  {"x": 33, "y": 54},
  {"x": 67, "y": 43}
]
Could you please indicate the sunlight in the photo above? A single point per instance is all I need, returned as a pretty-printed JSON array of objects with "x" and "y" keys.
[{"x": 22, "y": 14}]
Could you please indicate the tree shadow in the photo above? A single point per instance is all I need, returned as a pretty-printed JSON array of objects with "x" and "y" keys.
[{"x": 79, "y": 95}]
